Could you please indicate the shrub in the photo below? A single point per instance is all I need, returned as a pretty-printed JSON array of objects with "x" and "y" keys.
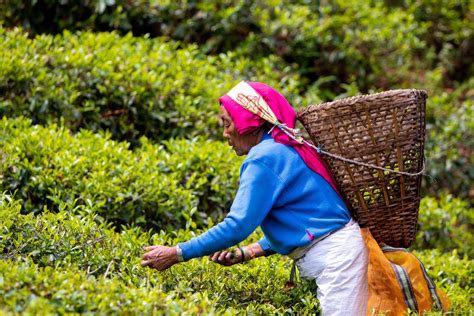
[
  {"x": 178, "y": 183},
  {"x": 453, "y": 274},
  {"x": 349, "y": 41},
  {"x": 102, "y": 271},
  {"x": 65, "y": 263},
  {"x": 448, "y": 34},
  {"x": 450, "y": 142},
  {"x": 446, "y": 224},
  {"x": 129, "y": 86},
  {"x": 222, "y": 25},
  {"x": 367, "y": 41}
]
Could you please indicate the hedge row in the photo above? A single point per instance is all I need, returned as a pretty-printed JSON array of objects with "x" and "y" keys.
[
  {"x": 174, "y": 184},
  {"x": 63, "y": 263},
  {"x": 68, "y": 264},
  {"x": 129, "y": 86},
  {"x": 134, "y": 87},
  {"x": 366, "y": 41}
]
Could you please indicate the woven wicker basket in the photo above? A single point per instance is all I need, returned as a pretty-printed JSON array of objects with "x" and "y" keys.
[{"x": 386, "y": 130}]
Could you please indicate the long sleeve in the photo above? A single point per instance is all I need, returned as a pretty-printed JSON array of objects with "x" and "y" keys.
[
  {"x": 266, "y": 246},
  {"x": 258, "y": 190}
]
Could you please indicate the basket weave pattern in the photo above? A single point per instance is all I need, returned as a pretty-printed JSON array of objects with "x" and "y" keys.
[{"x": 387, "y": 130}]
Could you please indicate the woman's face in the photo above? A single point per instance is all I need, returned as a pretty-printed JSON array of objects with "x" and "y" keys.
[{"x": 240, "y": 143}]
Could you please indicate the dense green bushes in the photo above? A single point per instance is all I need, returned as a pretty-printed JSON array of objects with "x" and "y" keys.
[
  {"x": 78, "y": 206},
  {"x": 450, "y": 142},
  {"x": 448, "y": 35},
  {"x": 178, "y": 183},
  {"x": 364, "y": 41},
  {"x": 175, "y": 183},
  {"x": 134, "y": 87},
  {"x": 446, "y": 224},
  {"x": 62, "y": 262},
  {"x": 129, "y": 86},
  {"x": 220, "y": 25},
  {"x": 65, "y": 263}
]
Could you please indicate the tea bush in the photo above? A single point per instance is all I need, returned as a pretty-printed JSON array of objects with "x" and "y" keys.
[
  {"x": 181, "y": 182},
  {"x": 367, "y": 41},
  {"x": 453, "y": 274},
  {"x": 448, "y": 34},
  {"x": 221, "y": 25},
  {"x": 78, "y": 205},
  {"x": 41, "y": 252},
  {"x": 450, "y": 142},
  {"x": 129, "y": 86},
  {"x": 138, "y": 86},
  {"x": 446, "y": 224},
  {"x": 61, "y": 262}
]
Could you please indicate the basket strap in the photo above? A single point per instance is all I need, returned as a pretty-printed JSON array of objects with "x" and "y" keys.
[
  {"x": 386, "y": 248},
  {"x": 319, "y": 150},
  {"x": 410, "y": 174}
]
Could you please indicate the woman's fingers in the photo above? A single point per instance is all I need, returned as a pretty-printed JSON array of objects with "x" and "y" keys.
[
  {"x": 225, "y": 257},
  {"x": 149, "y": 255},
  {"x": 215, "y": 256},
  {"x": 230, "y": 258},
  {"x": 149, "y": 248},
  {"x": 159, "y": 257},
  {"x": 233, "y": 255},
  {"x": 221, "y": 257}
]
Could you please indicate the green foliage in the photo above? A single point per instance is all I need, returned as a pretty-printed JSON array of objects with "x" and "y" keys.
[
  {"x": 181, "y": 182},
  {"x": 366, "y": 41},
  {"x": 348, "y": 41},
  {"x": 446, "y": 224},
  {"x": 448, "y": 33},
  {"x": 183, "y": 20},
  {"x": 450, "y": 142},
  {"x": 78, "y": 206},
  {"x": 62, "y": 262},
  {"x": 65, "y": 263},
  {"x": 129, "y": 86},
  {"x": 453, "y": 274}
]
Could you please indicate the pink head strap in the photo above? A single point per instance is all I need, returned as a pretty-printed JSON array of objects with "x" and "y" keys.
[{"x": 252, "y": 101}]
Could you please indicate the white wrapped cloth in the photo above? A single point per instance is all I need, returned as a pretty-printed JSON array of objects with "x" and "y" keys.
[{"x": 338, "y": 264}]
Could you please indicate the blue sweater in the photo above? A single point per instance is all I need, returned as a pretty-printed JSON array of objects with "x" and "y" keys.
[{"x": 279, "y": 192}]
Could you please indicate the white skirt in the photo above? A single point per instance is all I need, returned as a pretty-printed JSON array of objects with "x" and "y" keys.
[{"x": 338, "y": 264}]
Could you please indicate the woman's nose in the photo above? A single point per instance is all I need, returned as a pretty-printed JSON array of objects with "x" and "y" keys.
[{"x": 225, "y": 134}]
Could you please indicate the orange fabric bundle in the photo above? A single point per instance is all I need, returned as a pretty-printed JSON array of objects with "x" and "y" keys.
[{"x": 398, "y": 282}]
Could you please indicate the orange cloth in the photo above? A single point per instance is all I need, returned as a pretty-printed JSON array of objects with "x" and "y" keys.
[{"x": 385, "y": 294}]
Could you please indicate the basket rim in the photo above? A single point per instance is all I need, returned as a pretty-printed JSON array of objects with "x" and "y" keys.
[{"x": 355, "y": 98}]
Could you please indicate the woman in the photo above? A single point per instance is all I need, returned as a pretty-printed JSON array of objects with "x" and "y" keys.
[{"x": 287, "y": 190}]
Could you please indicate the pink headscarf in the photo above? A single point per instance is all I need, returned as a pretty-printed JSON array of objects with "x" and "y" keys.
[{"x": 246, "y": 122}]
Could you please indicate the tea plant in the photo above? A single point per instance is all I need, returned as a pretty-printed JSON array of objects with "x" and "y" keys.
[
  {"x": 131, "y": 87},
  {"x": 182, "y": 182},
  {"x": 366, "y": 41},
  {"x": 61, "y": 262},
  {"x": 50, "y": 249},
  {"x": 446, "y": 224}
]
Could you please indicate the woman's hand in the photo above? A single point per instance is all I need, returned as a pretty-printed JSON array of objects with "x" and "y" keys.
[
  {"x": 159, "y": 257},
  {"x": 227, "y": 257}
]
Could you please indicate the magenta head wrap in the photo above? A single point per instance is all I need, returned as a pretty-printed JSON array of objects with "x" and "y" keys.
[{"x": 246, "y": 122}]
